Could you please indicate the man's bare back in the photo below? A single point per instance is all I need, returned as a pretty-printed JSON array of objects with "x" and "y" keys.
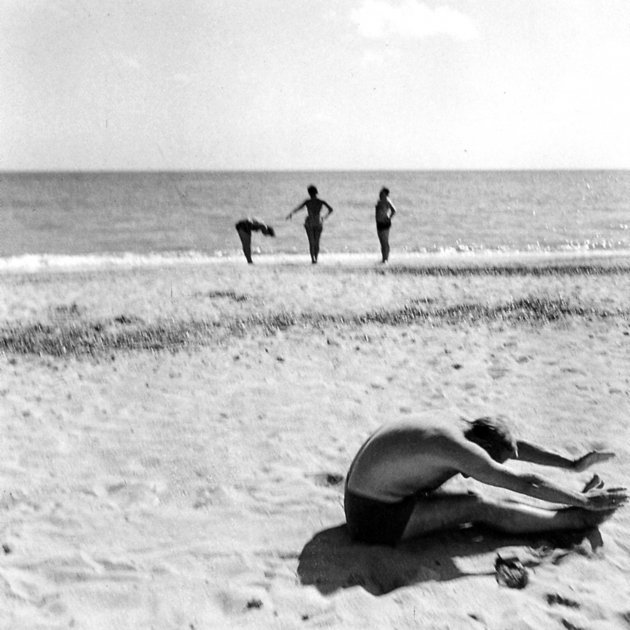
[{"x": 406, "y": 457}]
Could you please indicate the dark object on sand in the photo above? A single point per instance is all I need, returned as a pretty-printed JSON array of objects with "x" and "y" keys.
[
  {"x": 511, "y": 572},
  {"x": 555, "y": 598}
]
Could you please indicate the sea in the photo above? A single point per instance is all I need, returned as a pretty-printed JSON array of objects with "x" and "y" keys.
[{"x": 141, "y": 216}]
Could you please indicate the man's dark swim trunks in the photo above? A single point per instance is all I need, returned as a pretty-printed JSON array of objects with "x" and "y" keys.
[
  {"x": 377, "y": 522},
  {"x": 383, "y": 225}
]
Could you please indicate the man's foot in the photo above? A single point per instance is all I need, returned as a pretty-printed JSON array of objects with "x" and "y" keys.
[{"x": 588, "y": 518}]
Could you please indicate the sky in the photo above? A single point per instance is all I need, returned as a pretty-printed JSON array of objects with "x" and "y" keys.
[{"x": 314, "y": 84}]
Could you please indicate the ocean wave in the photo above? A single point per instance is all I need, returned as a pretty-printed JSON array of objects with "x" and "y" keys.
[
  {"x": 34, "y": 263},
  {"x": 43, "y": 262}
]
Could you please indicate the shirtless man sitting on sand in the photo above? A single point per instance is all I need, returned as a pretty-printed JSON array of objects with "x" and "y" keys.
[{"x": 392, "y": 486}]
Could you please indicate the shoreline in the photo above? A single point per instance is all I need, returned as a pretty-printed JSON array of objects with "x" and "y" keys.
[{"x": 35, "y": 263}]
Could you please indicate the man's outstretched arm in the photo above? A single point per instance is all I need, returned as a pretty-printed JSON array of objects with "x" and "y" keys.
[
  {"x": 472, "y": 460},
  {"x": 528, "y": 452}
]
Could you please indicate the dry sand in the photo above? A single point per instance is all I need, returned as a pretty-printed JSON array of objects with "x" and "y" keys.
[{"x": 175, "y": 439}]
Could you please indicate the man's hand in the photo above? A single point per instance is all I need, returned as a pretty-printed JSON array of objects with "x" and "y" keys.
[
  {"x": 594, "y": 457},
  {"x": 599, "y": 499},
  {"x": 593, "y": 482}
]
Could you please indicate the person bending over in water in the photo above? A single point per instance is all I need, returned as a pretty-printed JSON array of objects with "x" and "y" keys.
[
  {"x": 385, "y": 210},
  {"x": 245, "y": 227},
  {"x": 314, "y": 222},
  {"x": 393, "y": 493}
]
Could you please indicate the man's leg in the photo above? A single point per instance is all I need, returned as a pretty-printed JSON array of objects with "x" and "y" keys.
[
  {"x": 311, "y": 243},
  {"x": 383, "y": 237},
  {"x": 446, "y": 511},
  {"x": 316, "y": 236},
  {"x": 246, "y": 241}
]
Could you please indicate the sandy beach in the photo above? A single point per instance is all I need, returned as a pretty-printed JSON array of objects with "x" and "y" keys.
[{"x": 175, "y": 438}]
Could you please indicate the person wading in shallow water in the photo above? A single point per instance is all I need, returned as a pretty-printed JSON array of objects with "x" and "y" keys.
[
  {"x": 245, "y": 227},
  {"x": 393, "y": 488},
  {"x": 314, "y": 222},
  {"x": 385, "y": 210}
]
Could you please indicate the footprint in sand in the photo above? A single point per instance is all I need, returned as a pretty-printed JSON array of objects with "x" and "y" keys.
[
  {"x": 38, "y": 593},
  {"x": 204, "y": 497},
  {"x": 555, "y": 598},
  {"x": 116, "y": 566},
  {"x": 497, "y": 372},
  {"x": 207, "y": 496},
  {"x": 327, "y": 479},
  {"x": 17, "y": 585},
  {"x": 134, "y": 494}
]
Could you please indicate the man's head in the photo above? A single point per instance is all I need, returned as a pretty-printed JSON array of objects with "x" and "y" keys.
[
  {"x": 494, "y": 437},
  {"x": 312, "y": 191}
]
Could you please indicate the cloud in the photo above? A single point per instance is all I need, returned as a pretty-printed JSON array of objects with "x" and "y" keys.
[{"x": 411, "y": 19}]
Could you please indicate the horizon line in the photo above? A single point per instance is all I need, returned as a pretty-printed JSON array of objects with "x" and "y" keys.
[{"x": 306, "y": 170}]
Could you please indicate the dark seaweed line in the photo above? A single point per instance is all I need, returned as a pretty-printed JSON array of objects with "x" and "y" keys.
[
  {"x": 94, "y": 338},
  {"x": 525, "y": 310},
  {"x": 83, "y": 338},
  {"x": 509, "y": 270}
]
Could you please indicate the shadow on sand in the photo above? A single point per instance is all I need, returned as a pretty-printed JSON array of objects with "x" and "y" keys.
[{"x": 331, "y": 561}]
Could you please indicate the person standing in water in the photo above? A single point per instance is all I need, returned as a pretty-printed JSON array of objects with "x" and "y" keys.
[
  {"x": 385, "y": 210},
  {"x": 245, "y": 227},
  {"x": 314, "y": 222}
]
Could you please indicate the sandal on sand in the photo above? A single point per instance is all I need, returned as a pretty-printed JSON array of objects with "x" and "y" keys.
[{"x": 511, "y": 572}]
